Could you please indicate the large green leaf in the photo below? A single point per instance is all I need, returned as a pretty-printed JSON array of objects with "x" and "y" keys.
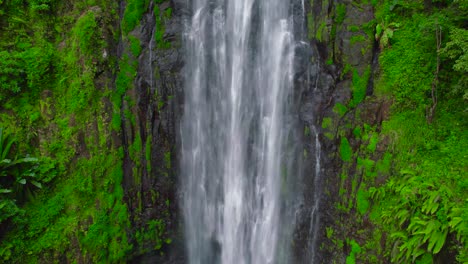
[
  {"x": 440, "y": 242},
  {"x": 37, "y": 184},
  {"x": 26, "y": 160}
]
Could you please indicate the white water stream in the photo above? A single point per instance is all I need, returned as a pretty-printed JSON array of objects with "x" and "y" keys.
[{"x": 236, "y": 170}]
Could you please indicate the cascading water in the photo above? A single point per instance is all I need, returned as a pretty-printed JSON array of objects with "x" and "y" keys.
[{"x": 239, "y": 163}]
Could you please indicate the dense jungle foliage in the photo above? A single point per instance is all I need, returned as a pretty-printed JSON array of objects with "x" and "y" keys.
[
  {"x": 61, "y": 200},
  {"x": 61, "y": 171},
  {"x": 416, "y": 192},
  {"x": 424, "y": 69}
]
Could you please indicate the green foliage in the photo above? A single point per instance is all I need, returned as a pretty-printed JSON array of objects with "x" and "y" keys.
[
  {"x": 132, "y": 15},
  {"x": 359, "y": 86},
  {"x": 167, "y": 159},
  {"x": 383, "y": 34},
  {"x": 374, "y": 139},
  {"x": 86, "y": 35},
  {"x": 340, "y": 109},
  {"x": 124, "y": 82},
  {"x": 320, "y": 31},
  {"x": 11, "y": 74},
  {"x": 49, "y": 99},
  {"x": 79, "y": 64},
  {"x": 160, "y": 18},
  {"x": 409, "y": 70},
  {"x": 362, "y": 200},
  {"x": 355, "y": 249},
  {"x": 154, "y": 233},
  {"x": 41, "y": 5},
  {"x": 326, "y": 123},
  {"x": 25, "y": 70},
  {"x": 19, "y": 177},
  {"x": 329, "y": 231},
  {"x": 353, "y": 28},
  {"x": 357, "y": 38},
  {"x": 346, "y": 152},
  {"x": 52, "y": 219},
  {"x": 456, "y": 50},
  {"x": 135, "y": 149},
  {"x": 423, "y": 204},
  {"x": 340, "y": 13},
  {"x": 135, "y": 46}
]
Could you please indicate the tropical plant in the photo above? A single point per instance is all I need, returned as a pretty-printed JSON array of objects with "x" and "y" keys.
[
  {"x": 18, "y": 176},
  {"x": 384, "y": 33}
]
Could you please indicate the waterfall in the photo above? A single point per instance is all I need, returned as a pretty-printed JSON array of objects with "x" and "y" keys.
[
  {"x": 315, "y": 217},
  {"x": 239, "y": 159}
]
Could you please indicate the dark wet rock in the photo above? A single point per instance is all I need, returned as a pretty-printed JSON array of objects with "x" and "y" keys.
[{"x": 151, "y": 185}]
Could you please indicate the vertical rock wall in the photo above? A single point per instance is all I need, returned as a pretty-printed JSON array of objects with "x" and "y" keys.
[{"x": 338, "y": 99}]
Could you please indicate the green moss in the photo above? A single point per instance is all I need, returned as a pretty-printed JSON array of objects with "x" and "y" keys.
[
  {"x": 116, "y": 123},
  {"x": 321, "y": 31},
  {"x": 345, "y": 150},
  {"x": 86, "y": 34},
  {"x": 124, "y": 82},
  {"x": 373, "y": 141},
  {"x": 343, "y": 178},
  {"x": 135, "y": 46},
  {"x": 357, "y": 38},
  {"x": 168, "y": 13},
  {"x": 357, "y": 132},
  {"x": 359, "y": 87},
  {"x": 353, "y": 28},
  {"x": 340, "y": 109},
  {"x": 355, "y": 249},
  {"x": 340, "y": 13},
  {"x": 383, "y": 165},
  {"x": 160, "y": 27},
  {"x": 362, "y": 200},
  {"x": 52, "y": 220},
  {"x": 148, "y": 153},
  {"x": 329, "y": 135},
  {"x": 132, "y": 14},
  {"x": 135, "y": 149},
  {"x": 326, "y": 122},
  {"x": 167, "y": 159},
  {"x": 347, "y": 68}
]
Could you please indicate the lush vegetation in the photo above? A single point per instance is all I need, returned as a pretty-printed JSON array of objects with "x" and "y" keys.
[
  {"x": 423, "y": 204},
  {"x": 403, "y": 181},
  {"x": 61, "y": 167}
]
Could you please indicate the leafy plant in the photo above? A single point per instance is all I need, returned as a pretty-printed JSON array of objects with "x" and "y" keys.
[
  {"x": 17, "y": 176},
  {"x": 384, "y": 33},
  {"x": 456, "y": 49}
]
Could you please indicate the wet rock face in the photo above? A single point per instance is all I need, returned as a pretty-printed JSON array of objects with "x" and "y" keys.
[
  {"x": 149, "y": 133},
  {"x": 340, "y": 45}
]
